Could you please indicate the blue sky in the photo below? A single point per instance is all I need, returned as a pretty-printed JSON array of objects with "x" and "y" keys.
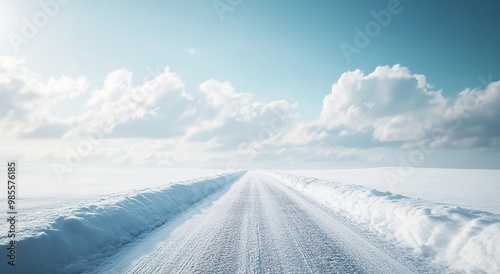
[{"x": 273, "y": 50}]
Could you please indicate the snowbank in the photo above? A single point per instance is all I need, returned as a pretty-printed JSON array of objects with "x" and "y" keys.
[
  {"x": 75, "y": 242},
  {"x": 464, "y": 240},
  {"x": 472, "y": 188}
]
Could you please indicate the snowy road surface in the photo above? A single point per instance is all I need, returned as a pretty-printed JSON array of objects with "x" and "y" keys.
[{"x": 258, "y": 225}]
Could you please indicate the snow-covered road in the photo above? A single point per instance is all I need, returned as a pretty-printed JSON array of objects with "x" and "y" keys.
[{"x": 258, "y": 225}]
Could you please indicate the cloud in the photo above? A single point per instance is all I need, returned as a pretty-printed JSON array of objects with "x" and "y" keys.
[
  {"x": 158, "y": 116},
  {"x": 375, "y": 118},
  {"x": 235, "y": 119},
  {"x": 26, "y": 100},
  {"x": 393, "y": 107},
  {"x": 365, "y": 119},
  {"x": 472, "y": 119},
  {"x": 390, "y": 103},
  {"x": 192, "y": 51},
  {"x": 153, "y": 109},
  {"x": 116, "y": 83}
]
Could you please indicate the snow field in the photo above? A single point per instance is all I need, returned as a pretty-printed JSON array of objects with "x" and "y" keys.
[
  {"x": 463, "y": 240},
  {"x": 76, "y": 241},
  {"x": 42, "y": 197},
  {"x": 469, "y": 188}
]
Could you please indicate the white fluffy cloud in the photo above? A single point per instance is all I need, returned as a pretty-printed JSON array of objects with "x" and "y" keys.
[
  {"x": 158, "y": 122},
  {"x": 235, "y": 118},
  {"x": 26, "y": 100},
  {"x": 472, "y": 119},
  {"x": 115, "y": 84},
  {"x": 151, "y": 109},
  {"x": 392, "y": 105},
  {"x": 167, "y": 122}
]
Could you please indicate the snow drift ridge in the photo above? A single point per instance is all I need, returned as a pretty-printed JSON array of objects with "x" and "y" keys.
[
  {"x": 463, "y": 240},
  {"x": 74, "y": 243}
]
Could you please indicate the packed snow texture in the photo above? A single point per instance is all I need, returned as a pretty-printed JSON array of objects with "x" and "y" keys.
[
  {"x": 42, "y": 197},
  {"x": 470, "y": 188},
  {"x": 80, "y": 238},
  {"x": 463, "y": 240}
]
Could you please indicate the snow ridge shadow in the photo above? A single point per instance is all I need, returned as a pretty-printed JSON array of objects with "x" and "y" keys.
[{"x": 76, "y": 242}]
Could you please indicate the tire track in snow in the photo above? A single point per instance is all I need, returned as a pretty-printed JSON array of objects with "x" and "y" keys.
[
  {"x": 319, "y": 253},
  {"x": 257, "y": 225}
]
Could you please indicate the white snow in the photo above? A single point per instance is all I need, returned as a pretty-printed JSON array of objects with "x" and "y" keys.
[
  {"x": 450, "y": 216},
  {"x": 66, "y": 233},
  {"x": 258, "y": 225},
  {"x": 42, "y": 197},
  {"x": 470, "y": 188},
  {"x": 464, "y": 240}
]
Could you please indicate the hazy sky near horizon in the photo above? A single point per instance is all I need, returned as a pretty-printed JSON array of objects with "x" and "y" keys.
[{"x": 282, "y": 84}]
